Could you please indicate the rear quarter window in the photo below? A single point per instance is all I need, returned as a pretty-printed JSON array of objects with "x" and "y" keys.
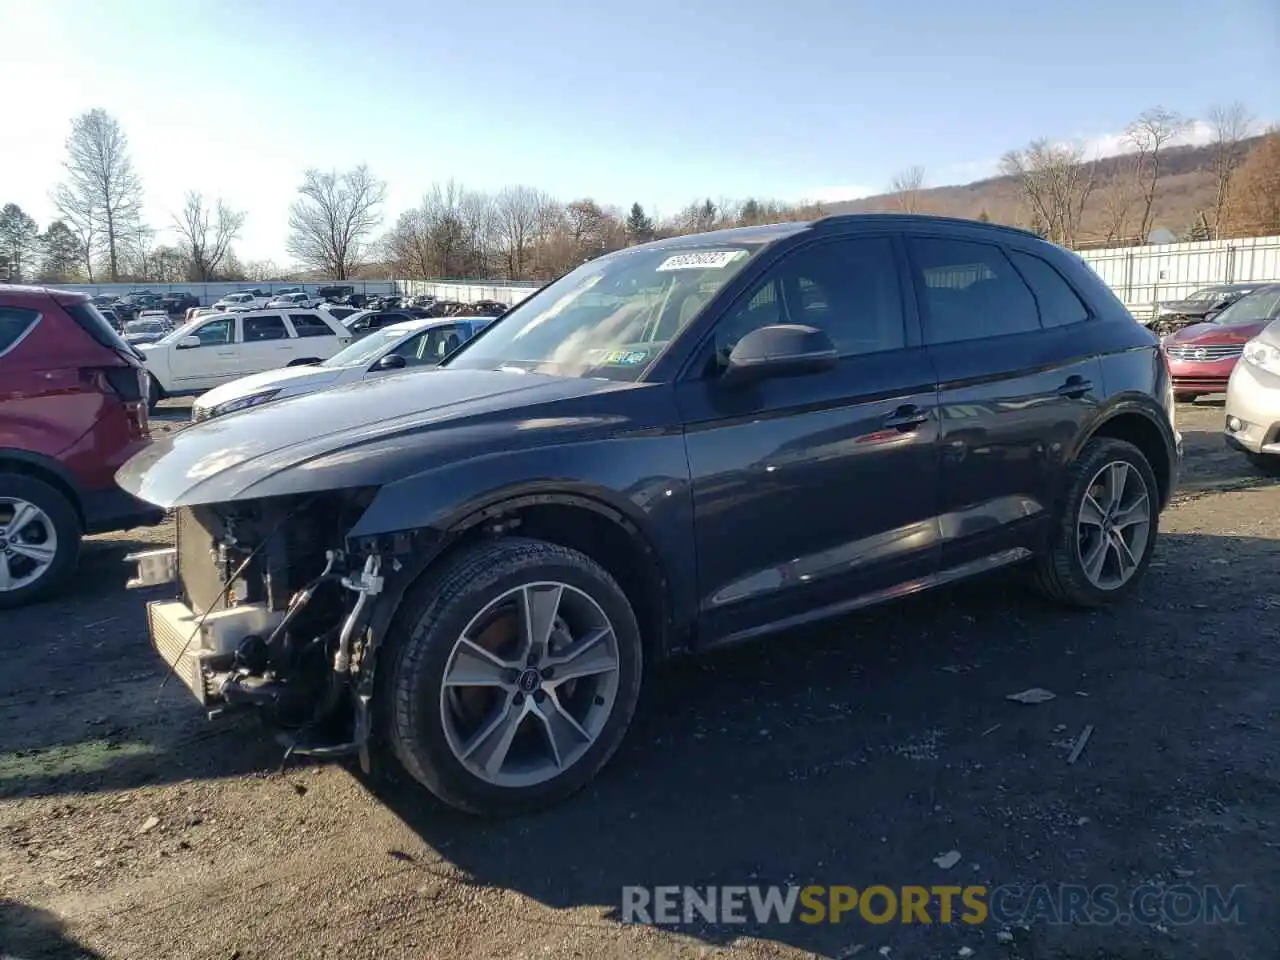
[
  {"x": 1059, "y": 305},
  {"x": 93, "y": 323},
  {"x": 15, "y": 324},
  {"x": 307, "y": 325}
]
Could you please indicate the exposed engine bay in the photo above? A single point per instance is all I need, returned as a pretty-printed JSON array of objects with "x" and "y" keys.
[
  {"x": 272, "y": 613},
  {"x": 1169, "y": 323}
]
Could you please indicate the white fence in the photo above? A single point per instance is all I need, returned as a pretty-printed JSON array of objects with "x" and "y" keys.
[
  {"x": 1143, "y": 276},
  {"x": 508, "y": 292}
]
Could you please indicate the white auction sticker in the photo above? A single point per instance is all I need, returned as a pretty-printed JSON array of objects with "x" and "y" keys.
[{"x": 702, "y": 260}]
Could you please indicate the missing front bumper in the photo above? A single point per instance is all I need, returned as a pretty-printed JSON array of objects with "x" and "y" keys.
[{"x": 197, "y": 649}]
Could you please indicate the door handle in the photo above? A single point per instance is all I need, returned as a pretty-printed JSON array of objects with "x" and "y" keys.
[
  {"x": 1075, "y": 387},
  {"x": 906, "y": 417}
]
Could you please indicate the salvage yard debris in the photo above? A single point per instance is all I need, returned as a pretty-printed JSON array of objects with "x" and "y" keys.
[{"x": 1033, "y": 695}]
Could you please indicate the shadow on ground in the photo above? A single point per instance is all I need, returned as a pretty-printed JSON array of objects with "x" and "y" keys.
[
  {"x": 29, "y": 933},
  {"x": 856, "y": 755}
]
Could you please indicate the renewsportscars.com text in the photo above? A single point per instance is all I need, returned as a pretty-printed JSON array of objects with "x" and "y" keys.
[{"x": 878, "y": 904}]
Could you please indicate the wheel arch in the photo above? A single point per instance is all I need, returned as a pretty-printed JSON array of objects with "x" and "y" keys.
[
  {"x": 1141, "y": 422},
  {"x": 584, "y": 521},
  {"x": 43, "y": 468}
]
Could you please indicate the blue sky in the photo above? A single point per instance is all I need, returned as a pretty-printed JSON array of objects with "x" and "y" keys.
[{"x": 656, "y": 101}]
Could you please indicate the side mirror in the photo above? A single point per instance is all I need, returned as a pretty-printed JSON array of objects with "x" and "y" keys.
[
  {"x": 392, "y": 361},
  {"x": 780, "y": 350},
  {"x": 188, "y": 343}
]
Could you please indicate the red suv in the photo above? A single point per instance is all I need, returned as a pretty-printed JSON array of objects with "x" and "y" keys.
[{"x": 72, "y": 410}]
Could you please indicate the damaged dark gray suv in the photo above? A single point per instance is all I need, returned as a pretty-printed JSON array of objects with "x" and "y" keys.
[{"x": 679, "y": 445}]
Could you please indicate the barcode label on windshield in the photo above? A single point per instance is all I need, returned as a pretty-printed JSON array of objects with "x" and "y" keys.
[{"x": 703, "y": 260}]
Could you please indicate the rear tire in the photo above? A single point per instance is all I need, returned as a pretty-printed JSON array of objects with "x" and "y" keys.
[
  {"x": 1266, "y": 463},
  {"x": 154, "y": 393},
  {"x": 1065, "y": 572},
  {"x": 545, "y": 757},
  {"x": 51, "y": 518}
]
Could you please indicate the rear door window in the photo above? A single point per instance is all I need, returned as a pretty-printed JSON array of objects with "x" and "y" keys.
[
  {"x": 15, "y": 323},
  {"x": 969, "y": 291},
  {"x": 1059, "y": 304}
]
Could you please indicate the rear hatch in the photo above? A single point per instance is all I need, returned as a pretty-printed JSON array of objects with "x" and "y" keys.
[{"x": 120, "y": 372}]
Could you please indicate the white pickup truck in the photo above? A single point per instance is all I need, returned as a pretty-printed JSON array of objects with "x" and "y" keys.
[
  {"x": 212, "y": 350},
  {"x": 244, "y": 300}
]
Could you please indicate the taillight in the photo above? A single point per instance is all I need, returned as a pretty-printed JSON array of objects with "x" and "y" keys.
[{"x": 125, "y": 382}]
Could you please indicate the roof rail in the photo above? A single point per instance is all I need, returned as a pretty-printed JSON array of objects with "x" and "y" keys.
[{"x": 839, "y": 218}]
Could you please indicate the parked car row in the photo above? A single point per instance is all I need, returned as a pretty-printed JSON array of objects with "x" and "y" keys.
[{"x": 1201, "y": 306}]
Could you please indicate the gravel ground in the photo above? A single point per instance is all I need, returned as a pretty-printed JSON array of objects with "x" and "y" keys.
[{"x": 855, "y": 754}]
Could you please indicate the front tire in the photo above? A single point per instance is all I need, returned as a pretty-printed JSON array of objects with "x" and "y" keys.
[
  {"x": 515, "y": 676},
  {"x": 1106, "y": 528},
  {"x": 39, "y": 539}
]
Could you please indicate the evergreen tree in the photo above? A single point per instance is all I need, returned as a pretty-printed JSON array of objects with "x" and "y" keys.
[
  {"x": 639, "y": 225},
  {"x": 62, "y": 256},
  {"x": 19, "y": 243},
  {"x": 984, "y": 216}
]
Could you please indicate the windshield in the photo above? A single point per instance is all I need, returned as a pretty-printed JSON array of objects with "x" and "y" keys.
[
  {"x": 1251, "y": 309},
  {"x": 611, "y": 317},
  {"x": 143, "y": 326},
  {"x": 365, "y": 349}
]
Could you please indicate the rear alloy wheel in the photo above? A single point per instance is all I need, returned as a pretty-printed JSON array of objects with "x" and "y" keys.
[
  {"x": 1104, "y": 534},
  {"x": 518, "y": 679},
  {"x": 39, "y": 539}
]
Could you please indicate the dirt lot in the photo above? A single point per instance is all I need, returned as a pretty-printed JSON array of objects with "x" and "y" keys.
[{"x": 131, "y": 828}]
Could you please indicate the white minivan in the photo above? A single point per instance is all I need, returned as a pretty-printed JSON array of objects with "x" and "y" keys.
[{"x": 208, "y": 351}]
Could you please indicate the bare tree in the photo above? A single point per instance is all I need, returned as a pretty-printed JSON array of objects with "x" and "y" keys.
[
  {"x": 907, "y": 186},
  {"x": 205, "y": 233},
  {"x": 332, "y": 219},
  {"x": 1231, "y": 125},
  {"x": 1148, "y": 135},
  {"x": 260, "y": 271},
  {"x": 1055, "y": 184},
  {"x": 519, "y": 214},
  {"x": 1117, "y": 199},
  {"x": 1254, "y": 206},
  {"x": 102, "y": 196}
]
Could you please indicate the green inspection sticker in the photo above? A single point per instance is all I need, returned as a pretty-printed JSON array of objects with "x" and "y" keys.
[{"x": 625, "y": 358}]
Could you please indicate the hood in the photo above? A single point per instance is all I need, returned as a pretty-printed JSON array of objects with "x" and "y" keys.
[
  {"x": 1218, "y": 332},
  {"x": 1189, "y": 308},
  {"x": 312, "y": 377},
  {"x": 143, "y": 337},
  {"x": 365, "y": 433}
]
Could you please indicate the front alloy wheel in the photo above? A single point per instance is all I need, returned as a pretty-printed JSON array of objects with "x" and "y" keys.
[
  {"x": 514, "y": 672},
  {"x": 530, "y": 684}
]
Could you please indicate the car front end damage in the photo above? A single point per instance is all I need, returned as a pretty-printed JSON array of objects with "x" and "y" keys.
[{"x": 272, "y": 613}]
